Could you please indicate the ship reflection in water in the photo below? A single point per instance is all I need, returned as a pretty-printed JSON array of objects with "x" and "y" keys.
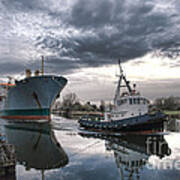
[
  {"x": 131, "y": 152},
  {"x": 36, "y": 146},
  {"x": 61, "y": 151}
]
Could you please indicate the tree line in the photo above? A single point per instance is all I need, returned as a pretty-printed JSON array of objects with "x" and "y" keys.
[
  {"x": 171, "y": 103},
  {"x": 71, "y": 102}
]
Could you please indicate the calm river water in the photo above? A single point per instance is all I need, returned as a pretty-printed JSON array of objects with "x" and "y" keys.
[{"x": 61, "y": 151}]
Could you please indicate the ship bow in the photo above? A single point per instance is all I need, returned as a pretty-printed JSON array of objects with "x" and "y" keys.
[{"x": 32, "y": 98}]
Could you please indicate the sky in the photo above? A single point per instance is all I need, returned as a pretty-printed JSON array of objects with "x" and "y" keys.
[{"x": 83, "y": 40}]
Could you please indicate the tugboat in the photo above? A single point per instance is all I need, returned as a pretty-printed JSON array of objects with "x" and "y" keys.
[{"x": 130, "y": 112}]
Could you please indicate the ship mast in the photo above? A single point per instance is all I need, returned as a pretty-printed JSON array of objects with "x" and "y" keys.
[
  {"x": 119, "y": 82},
  {"x": 42, "y": 66},
  {"x": 122, "y": 77}
]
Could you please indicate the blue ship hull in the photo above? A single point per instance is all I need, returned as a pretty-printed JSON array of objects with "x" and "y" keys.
[
  {"x": 141, "y": 123},
  {"x": 32, "y": 98}
]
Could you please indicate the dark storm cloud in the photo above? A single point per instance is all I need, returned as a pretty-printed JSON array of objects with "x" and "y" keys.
[
  {"x": 90, "y": 33},
  {"x": 24, "y": 5},
  {"x": 91, "y": 14},
  {"x": 10, "y": 68},
  {"x": 109, "y": 30},
  {"x": 56, "y": 65}
]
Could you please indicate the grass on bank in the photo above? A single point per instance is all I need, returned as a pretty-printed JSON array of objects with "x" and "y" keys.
[{"x": 172, "y": 112}]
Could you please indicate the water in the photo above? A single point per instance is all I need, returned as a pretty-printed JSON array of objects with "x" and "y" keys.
[{"x": 61, "y": 151}]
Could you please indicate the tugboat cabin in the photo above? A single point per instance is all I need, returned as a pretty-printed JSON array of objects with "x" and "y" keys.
[{"x": 127, "y": 104}]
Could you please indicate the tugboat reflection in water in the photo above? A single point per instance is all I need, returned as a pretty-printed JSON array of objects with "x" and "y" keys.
[
  {"x": 36, "y": 146},
  {"x": 132, "y": 152}
]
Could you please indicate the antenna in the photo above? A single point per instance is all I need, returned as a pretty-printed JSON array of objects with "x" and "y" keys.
[
  {"x": 42, "y": 174},
  {"x": 42, "y": 66},
  {"x": 117, "y": 93},
  {"x": 120, "y": 67}
]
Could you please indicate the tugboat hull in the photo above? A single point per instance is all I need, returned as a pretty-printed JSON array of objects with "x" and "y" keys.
[{"x": 141, "y": 124}]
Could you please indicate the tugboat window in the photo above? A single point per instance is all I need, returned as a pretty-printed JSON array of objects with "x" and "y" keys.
[
  {"x": 138, "y": 100},
  {"x": 134, "y": 100},
  {"x": 118, "y": 103},
  {"x": 130, "y": 101},
  {"x": 144, "y": 101}
]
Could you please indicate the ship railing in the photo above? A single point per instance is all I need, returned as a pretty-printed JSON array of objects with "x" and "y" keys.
[{"x": 92, "y": 118}]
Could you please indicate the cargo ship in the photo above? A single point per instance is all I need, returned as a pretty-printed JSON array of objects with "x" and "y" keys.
[
  {"x": 130, "y": 112},
  {"x": 30, "y": 98}
]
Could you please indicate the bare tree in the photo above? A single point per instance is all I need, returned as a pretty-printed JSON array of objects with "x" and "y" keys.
[
  {"x": 168, "y": 103},
  {"x": 102, "y": 106},
  {"x": 70, "y": 99}
]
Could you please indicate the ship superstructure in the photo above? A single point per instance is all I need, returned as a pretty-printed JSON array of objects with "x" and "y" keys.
[{"x": 128, "y": 102}]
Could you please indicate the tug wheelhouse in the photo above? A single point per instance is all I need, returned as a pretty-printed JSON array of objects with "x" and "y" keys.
[
  {"x": 129, "y": 106},
  {"x": 128, "y": 103}
]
